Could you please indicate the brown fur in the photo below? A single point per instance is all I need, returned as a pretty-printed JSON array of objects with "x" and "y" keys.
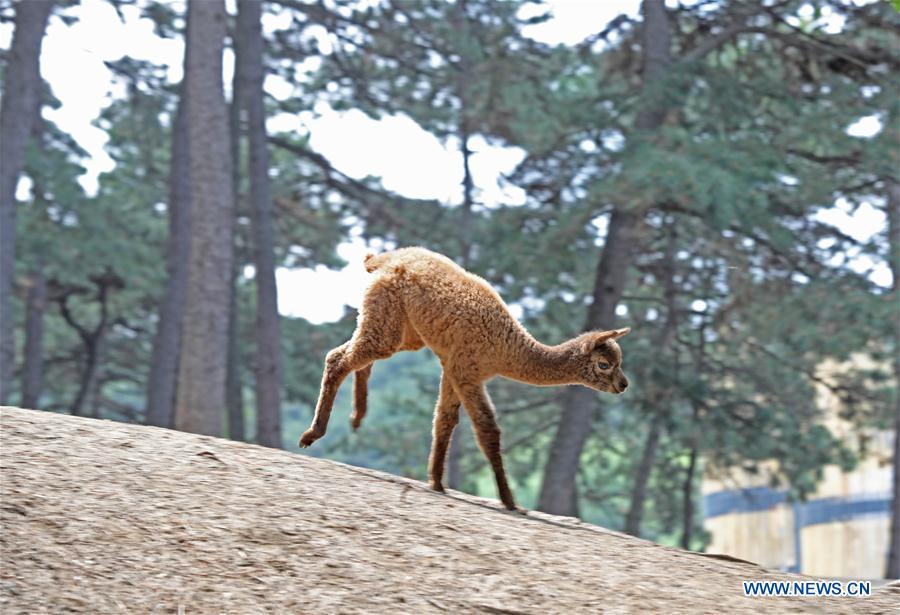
[{"x": 420, "y": 298}]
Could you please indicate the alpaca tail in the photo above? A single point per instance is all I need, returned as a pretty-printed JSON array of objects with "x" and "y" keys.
[{"x": 373, "y": 262}]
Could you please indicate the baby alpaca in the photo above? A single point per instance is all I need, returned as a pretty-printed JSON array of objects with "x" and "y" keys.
[{"x": 420, "y": 298}]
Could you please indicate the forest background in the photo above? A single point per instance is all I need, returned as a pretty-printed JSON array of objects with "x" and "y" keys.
[{"x": 722, "y": 177}]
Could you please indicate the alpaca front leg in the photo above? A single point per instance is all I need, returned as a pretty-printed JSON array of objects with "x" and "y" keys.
[
  {"x": 446, "y": 418},
  {"x": 335, "y": 372},
  {"x": 481, "y": 412}
]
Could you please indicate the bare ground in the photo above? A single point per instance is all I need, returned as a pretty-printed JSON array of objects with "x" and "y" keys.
[{"x": 102, "y": 517}]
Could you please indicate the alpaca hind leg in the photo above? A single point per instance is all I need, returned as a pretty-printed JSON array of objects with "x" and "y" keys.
[
  {"x": 446, "y": 418},
  {"x": 360, "y": 395},
  {"x": 335, "y": 371},
  {"x": 377, "y": 336},
  {"x": 487, "y": 432}
]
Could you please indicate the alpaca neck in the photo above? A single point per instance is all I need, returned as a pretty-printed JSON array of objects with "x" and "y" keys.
[{"x": 539, "y": 364}]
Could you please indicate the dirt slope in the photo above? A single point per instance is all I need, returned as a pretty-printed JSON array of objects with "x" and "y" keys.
[{"x": 102, "y": 517}]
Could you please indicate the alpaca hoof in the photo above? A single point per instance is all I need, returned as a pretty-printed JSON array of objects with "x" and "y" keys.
[
  {"x": 437, "y": 487},
  {"x": 308, "y": 437},
  {"x": 355, "y": 421},
  {"x": 511, "y": 506}
]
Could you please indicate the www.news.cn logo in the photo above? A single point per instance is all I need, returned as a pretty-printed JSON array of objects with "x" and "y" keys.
[{"x": 807, "y": 588}]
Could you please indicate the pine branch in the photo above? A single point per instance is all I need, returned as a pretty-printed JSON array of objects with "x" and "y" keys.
[
  {"x": 67, "y": 315},
  {"x": 375, "y": 200},
  {"x": 851, "y": 159},
  {"x": 790, "y": 260},
  {"x": 796, "y": 38},
  {"x": 325, "y": 165}
]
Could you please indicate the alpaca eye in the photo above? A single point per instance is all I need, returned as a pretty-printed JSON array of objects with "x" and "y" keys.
[{"x": 603, "y": 366}]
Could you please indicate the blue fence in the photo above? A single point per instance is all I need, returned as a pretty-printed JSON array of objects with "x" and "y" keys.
[{"x": 815, "y": 512}]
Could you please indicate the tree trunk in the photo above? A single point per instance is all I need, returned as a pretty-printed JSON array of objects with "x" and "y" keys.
[
  {"x": 234, "y": 384},
  {"x": 268, "y": 338},
  {"x": 162, "y": 383},
  {"x": 558, "y": 495},
  {"x": 234, "y": 387},
  {"x": 36, "y": 296},
  {"x": 204, "y": 349},
  {"x": 17, "y": 112},
  {"x": 639, "y": 489},
  {"x": 455, "y": 452},
  {"x": 33, "y": 368},
  {"x": 94, "y": 389},
  {"x": 454, "y": 457},
  {"x": 91, "y": 339},
  {"x": 468, "y": 198},
  {"x": 665, "y": 393},
  {"x": 892, "y": 570},
  {"x": 687, "y": 502},
  {"x": 88, "y": 373},
  {"x": 464, "y": 76}
]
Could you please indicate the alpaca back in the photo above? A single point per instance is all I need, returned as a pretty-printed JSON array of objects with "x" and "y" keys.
[{"x": 451, "y": 309}]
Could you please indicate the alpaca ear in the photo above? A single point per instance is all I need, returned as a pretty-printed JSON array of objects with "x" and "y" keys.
[
  {"x": 592, "y": 341},
  {"x": 621, "y": 332}
]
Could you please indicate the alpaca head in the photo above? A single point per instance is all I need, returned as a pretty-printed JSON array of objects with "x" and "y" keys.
[{"x": 600, "y": 361}]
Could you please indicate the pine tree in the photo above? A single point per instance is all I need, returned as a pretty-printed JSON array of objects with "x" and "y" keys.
[
  {"x": 202, "y": 363},
  {"x": 17, "y": 115},
  {"x": 162, "y": 381},
  {"x": 268, "y": 350}
]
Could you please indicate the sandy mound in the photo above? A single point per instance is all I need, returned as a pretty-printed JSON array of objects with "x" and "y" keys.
[{"x": 103, "y": 517}]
